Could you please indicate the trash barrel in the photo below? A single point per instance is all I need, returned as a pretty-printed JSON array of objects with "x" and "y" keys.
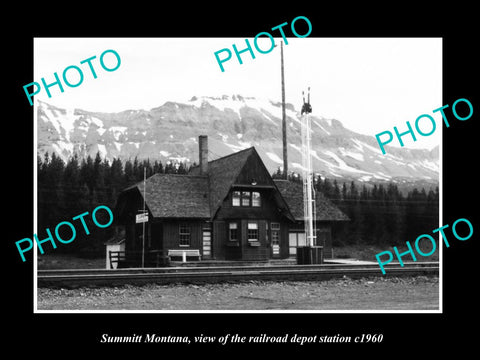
[
  {"x": 317, "y": 255},
  {"x": 307, "y": 255}
]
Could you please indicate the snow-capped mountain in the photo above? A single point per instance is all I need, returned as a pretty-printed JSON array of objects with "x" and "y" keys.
[{"x": 232, "y": 123}]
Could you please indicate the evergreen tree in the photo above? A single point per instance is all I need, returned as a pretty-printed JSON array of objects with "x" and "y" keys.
[
  {"x": 374, "y": 192},
  {"x": 353, "y": 192},
  {"x": 42, "y": 195},
  {"x": 52, "y": 188},
  {"x": 136, "y": 173},
  {"x": 158, "y": 167},
  {"x": 181, "y": 169},
  {"x": 416, "y": 221},
  {"x": 327, "y": 188},
  {"x": 87, "y": 173},
  {"x": 169, "y": 168},
  {"x": 394, "y": 215},
  {"x": 194, "y": 165},
  {"x": 364, "y": 195},
  {"x": 55, "y": 170},
  {"x": 148, "y": 166},
  {"x": 295, "y": 177},
  {"x": 99, "y": 177},
  {"x": 116, "y": 181},
  {"x": 336, "y": 191},
  {"x": 71, "y": 181},
  {"x": 344, "y": 192},
  {"x": 277, "y": 174},
  {"x": 129, "y": 173}
]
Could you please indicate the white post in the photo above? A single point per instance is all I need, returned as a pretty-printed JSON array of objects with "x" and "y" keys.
[
  {"x": 308, "y": 189},
  {"x": 184, "y": 256}
]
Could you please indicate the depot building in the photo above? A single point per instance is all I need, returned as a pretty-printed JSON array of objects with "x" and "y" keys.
[{"x": 226, "y": 209}]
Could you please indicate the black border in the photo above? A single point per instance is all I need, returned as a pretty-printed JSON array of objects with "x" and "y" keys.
[{"x": 405, "y": 334}]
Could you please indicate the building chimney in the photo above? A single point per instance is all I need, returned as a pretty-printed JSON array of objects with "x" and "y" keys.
[{"x": 203, "y": 153}]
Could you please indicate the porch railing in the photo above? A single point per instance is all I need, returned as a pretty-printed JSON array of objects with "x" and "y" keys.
[{"x": 154, "y": 258}]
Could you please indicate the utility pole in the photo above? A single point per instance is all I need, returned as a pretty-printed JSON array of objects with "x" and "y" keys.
[{"x": 284, "y": 119}]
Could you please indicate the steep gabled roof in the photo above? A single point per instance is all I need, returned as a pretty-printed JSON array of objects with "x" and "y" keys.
[
  {"x": 222, "y": 173},
  {"x": 292, "y": 192},
  {"x": 175, "y": 196},
  {"x": 193, "y": 195},
  {"x": 200, "y": 196}
]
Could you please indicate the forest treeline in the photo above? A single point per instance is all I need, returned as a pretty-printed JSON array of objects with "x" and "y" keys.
[
  {"x": 380, "y": 214},
  {"x": 67, "y": 189}
]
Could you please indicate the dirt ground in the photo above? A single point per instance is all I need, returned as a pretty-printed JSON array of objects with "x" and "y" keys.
[{"x": 408, "y": 293}]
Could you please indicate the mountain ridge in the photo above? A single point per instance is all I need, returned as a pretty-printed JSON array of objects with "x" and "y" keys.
[{"x": 169, "y": 132}]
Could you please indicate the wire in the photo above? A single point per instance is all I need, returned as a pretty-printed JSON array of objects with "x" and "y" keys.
[{"x": 217, "y": 156}]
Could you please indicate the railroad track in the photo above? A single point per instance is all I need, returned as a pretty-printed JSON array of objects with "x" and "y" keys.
[{"x": 167, "y": 275}]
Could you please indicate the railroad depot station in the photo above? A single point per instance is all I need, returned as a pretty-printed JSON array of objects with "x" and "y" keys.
[{"x": 226, "y": 209}]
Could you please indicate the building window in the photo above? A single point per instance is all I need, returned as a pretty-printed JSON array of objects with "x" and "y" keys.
[
  {"x": 296, "y": 239},
  {"x": 236, "y": 198},
  {"x": 184, "y": 235},
  {"x": 245, "y": 198},
  {"x": 275, "y": 233},
  {"x": 256, "y": 202},
  {"x": 252, "y": 231},
  {"x": 233, "y": 232}
]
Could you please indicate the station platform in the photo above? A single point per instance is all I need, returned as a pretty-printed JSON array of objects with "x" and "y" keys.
[
  {"x": 270, "y": 262},
  {"x": 348, "y": 261}
]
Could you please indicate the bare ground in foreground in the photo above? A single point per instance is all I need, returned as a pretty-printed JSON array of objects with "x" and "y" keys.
[{"x": 376, "y": 293}]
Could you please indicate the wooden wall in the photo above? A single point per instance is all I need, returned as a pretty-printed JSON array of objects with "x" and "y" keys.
[
  {"x": 224, "y": 250},
  {"x": 219, "y": 239},
  {"x": 324, "y": 236},
  {"x": 171, "y": 234}
]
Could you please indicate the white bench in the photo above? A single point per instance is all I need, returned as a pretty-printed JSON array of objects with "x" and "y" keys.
[{"x": 184, "y": 253}]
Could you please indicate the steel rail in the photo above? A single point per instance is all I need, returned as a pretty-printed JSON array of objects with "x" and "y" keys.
[
  {"x": 225, "y": 268},
  {"x": 103, "y": 277}
]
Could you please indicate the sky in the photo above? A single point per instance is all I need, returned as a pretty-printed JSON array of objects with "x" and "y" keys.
[{"x": 369, "y": 84}]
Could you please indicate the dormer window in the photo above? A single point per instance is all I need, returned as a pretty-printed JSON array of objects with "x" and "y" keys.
[
  {"x": 246, "y": 198},
  {"x": 256, "y": 201},
  {"x": 236, "y": 198}
]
